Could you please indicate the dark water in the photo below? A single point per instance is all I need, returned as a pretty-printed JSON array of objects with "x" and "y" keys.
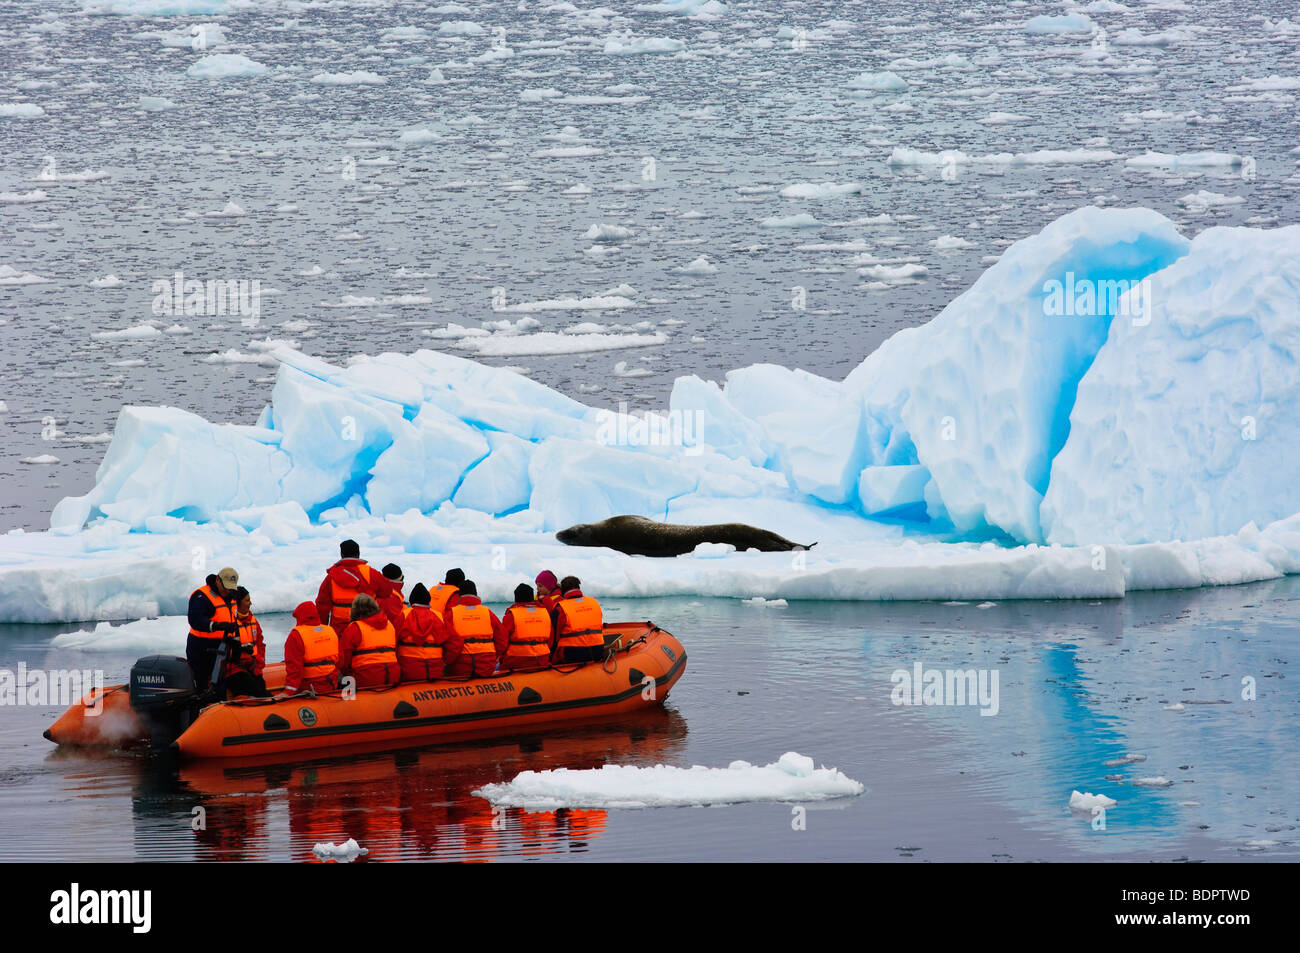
[{"x": 1079, "y": 684}]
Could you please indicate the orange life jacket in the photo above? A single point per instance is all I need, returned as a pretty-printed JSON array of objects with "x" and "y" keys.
[
  {"x": 531, "y": 637},
  {"x": 247, "y": 641},
  {"x": 378, "y": 644},
  {"x": 341, "y": 595},
  {"x": 474, "y": 625},
  {"x": 247, "y": 630},
  {"x": 581, "y": 624},
  {"x": 222, "y": 611},
  {"x": 439, "y": 596},
  {"x": 320, "y": 651}
]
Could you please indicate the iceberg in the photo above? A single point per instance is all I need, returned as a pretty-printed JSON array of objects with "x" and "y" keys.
[
  {"x": 793, "y": 777},
  {"x": 1109, "y": 407}
]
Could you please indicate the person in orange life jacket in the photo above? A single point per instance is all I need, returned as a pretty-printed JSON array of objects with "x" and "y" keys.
[
  {"x": 471, "y": 649},
  {"x": 248, "y": 659},
  {"x": 368, "y": 646},
  {"x": 548, "y": 589},
  {"x": 311, "y": 653},
  {"x": 447, "y": 593},
  {"x": 394, "y": 604},
  {"x": 343, "y": 581},
  {"x": 211, "y": 617},
  {"x": 529, "y": 635},
  {"x": 579, "y": 625},
  {"x": 420, "y": 639}
]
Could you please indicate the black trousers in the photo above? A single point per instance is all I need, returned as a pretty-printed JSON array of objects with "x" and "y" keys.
[
  {"x": 239, "y": 682},
  {"x": 202, "y": 655}
]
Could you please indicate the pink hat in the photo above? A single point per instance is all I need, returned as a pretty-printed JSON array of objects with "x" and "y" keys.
[{"x": 546, "y": 579}]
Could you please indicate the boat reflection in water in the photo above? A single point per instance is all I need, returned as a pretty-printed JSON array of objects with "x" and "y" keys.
[{"x": 414, "y": 803}]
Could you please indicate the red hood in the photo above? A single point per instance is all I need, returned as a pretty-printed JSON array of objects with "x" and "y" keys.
[{"x": 306, "y": 614}]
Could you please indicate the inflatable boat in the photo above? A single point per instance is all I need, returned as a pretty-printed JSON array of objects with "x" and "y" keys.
[{"x": 160, "y": 707}]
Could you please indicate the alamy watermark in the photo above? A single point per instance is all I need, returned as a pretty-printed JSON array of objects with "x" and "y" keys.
[
  {"x": 673, "y": 428},
  {"x": 44, "y": 688},
  {"x": 212, "y": 298},
  {"x": 1091, "y": 297},
  {"x": 933, "y": 686}
]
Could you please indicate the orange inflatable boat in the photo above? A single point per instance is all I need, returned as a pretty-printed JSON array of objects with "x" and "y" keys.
[{"x": 642, "y": 664}]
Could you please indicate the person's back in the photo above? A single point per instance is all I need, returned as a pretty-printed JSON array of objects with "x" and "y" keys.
[
  {"x": 311, "y": 653},
  {"x": 394, "y": 604},
  {"x": 446, "y": 594},
  {"x": 475, "y": 631},
  {"x": 528, "y": 634},
  {"x": 420, "y": 639},
  {"x": 579, "y": 625},
  {"x": 368, "y": 649},
  {"x": 344, "y": 581}
]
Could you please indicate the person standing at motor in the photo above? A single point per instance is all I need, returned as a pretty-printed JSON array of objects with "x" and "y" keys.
[{"x": 211, "y": 613}]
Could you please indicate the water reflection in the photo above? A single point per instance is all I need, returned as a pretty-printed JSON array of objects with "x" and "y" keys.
[{"x": 408, "y": 804}]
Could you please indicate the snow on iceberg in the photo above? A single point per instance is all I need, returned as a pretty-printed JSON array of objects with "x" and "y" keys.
[{"x": 792, "y": 778}]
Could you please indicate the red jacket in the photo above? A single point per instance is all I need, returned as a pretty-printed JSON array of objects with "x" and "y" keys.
[
  {"x": 421, "y": 626},
  {"x": 294, "y": 677},
  {"x": 345, "y": 573},
  {"x": 460, "y": 665},
  {"x": 368, "y": 674},
  {"x": 394, "y": 603}
]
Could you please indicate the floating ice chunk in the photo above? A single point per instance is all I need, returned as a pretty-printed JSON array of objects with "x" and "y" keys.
[
  {"x": 1067, "y": 23},
  {"x": 460, "y": 28},
  {"x": 155, "y": 104},
  {"x": 44, "y": 458},
  {"x": 1185, "y": 160},
  {"x": 354, "y": 78},
  {"x": 699, "y": 266},
  {"x": 108, "y": 281},
  {"x": 948, "y": 242},
  {"x": 346, "y": 852},
  {"x": 792, "y": 778},
  {"x": 1087, "y": 802},
  {"x": 802, "y": 220},
  {"x": 1205, "y": 199},
  {"x": 608, "y": 233},
  {"x": 16, "y": 198},
  {"x": 226, "y": 66},
  {"x": 820, "y": 190},
  {"x": 12, "y": 276},
  {"x": 629, "y": 47},
  {"x": 1125, "y": 759},
  {"x": 765, "y": 603},
  {"x": 1157, "y": 782},
  {"x": 139, "y": 332},
  {"x": 885, "y": 82},
  {"x": 20, "y": 111}
]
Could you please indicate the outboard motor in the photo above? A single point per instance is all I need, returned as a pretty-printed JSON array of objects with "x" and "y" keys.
[{"x": 162, "y": 693}]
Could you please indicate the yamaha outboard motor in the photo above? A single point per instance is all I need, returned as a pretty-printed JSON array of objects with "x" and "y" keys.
[{"x": 162, "y": 693}]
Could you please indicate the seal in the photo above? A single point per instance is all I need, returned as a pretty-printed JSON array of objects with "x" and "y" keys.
[{"x": 638, "y": 536}]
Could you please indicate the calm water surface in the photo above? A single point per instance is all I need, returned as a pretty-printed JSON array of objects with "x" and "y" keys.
[{"x": 1080, "y": 684}]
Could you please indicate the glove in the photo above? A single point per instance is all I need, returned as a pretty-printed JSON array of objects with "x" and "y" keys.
[{"x": 230, "y": 628}]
